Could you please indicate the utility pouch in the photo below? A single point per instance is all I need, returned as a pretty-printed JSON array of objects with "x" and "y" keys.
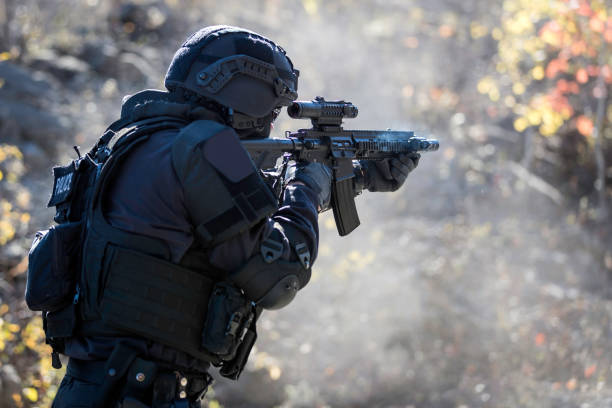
[
  {"x": 233, "y": 368},
  {"x": 53, "y": 263},
  {"x": 229, "y": 316}
]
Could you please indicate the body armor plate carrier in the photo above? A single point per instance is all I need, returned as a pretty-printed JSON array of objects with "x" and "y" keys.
[{"x": 128, "y": 285}]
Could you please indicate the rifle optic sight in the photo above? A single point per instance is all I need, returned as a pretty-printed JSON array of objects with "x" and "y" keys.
[{"x": 322, "y": 112}]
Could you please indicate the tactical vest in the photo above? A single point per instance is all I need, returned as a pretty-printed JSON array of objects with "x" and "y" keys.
[{"x": 128, "y": 285}]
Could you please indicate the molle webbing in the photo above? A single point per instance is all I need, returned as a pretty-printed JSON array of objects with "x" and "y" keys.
[{"x": 157, "y": 300}]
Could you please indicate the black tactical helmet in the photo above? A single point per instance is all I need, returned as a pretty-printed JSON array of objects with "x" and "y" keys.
[{"x": 236, "y": 68}]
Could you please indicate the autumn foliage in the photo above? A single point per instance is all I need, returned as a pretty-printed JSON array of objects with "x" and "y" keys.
[{"x": 554, "y": 53}]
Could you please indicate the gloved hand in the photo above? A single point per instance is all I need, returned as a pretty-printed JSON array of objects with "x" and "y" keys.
[
  {"x": 389, "y": 174},
  {"x": 316, "y": 176}
]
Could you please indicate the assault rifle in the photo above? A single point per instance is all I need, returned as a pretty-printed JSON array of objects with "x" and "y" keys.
[{"x": 327, "y": 142}]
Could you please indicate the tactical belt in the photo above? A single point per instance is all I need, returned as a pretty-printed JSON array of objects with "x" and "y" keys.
[{"x": 125, "y": 376}]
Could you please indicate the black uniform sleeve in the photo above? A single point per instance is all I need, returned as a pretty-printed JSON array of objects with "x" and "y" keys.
[
  {"x": 272, "y": 261},
  {"x": 298, "y": 214}
]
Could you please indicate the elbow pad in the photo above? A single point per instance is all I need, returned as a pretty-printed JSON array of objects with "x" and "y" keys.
[
  {"x": 270, "y": 285},
  {"x": 270, "y": 282}
]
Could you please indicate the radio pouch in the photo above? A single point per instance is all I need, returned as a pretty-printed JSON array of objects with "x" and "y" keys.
[
  {"x": 229, "y": 316},
  {"x": 52, "y": 267}
]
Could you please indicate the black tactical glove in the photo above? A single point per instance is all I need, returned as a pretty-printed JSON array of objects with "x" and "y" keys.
[
  {"x": 316, "y": 176},
  {"x": 389, "y": 174}
]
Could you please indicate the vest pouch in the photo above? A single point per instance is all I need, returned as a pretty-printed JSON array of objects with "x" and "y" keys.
[
  {"x": 155, "y": 299},
  {"x": 53, "y": 262},
  {"x": 229, "y": 315},
  {"x": 60, "y": 323}
]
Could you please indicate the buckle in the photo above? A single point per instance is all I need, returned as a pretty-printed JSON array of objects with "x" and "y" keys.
[
  {"x": 303, "y": 254},
  {"x": 271, "y": 250}
]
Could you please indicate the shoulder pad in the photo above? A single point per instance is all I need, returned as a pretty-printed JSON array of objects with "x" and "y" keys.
[
  {"x": 220, "y": 146},
  {"x": 223, "y": 191}
]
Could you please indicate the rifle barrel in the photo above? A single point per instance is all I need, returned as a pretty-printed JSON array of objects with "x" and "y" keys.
[{"x": 271, "y": 145}]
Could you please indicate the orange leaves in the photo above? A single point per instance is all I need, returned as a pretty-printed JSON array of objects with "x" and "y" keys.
[
  {"x": 600, "y": 25},
  {"x": 555, "y": 66},
  {"x": 446, "y": 31},
  {"x": 578, "y": 48},
  {"x": 594, "y": 70},
  {"x": 565, "y": 50},
  {"x": 435, "y": 93},
  {"x": 584, "y": 124},
  {"x": 540, "y": 339},
  {"x": 564, "y": 87},
  {"x": 560, "y": 104},
  {"x": 582, "y": 76},
  {"x": 571, "y": 384},
  {"x": 584, "y": 9},
  {"x": 606, "y": 71},
  {"x": 608, "y": 32},
  {"x": 596, "y": 24},
  {"x": 590, "y": 370}
]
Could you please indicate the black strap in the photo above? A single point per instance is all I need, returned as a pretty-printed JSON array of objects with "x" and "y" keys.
[
  {"x": 123, "y": 126},
  {"x": 297, "y": 239}
]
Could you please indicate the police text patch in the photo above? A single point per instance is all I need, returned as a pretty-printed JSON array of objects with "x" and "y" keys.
[{"x": 63, "y": 182}]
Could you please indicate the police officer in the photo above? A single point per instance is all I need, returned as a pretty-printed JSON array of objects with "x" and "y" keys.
[{"x": 185, "y": 241}]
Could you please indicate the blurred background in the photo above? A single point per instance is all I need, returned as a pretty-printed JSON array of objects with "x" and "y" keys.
[{"x": 486, "y": 281}]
